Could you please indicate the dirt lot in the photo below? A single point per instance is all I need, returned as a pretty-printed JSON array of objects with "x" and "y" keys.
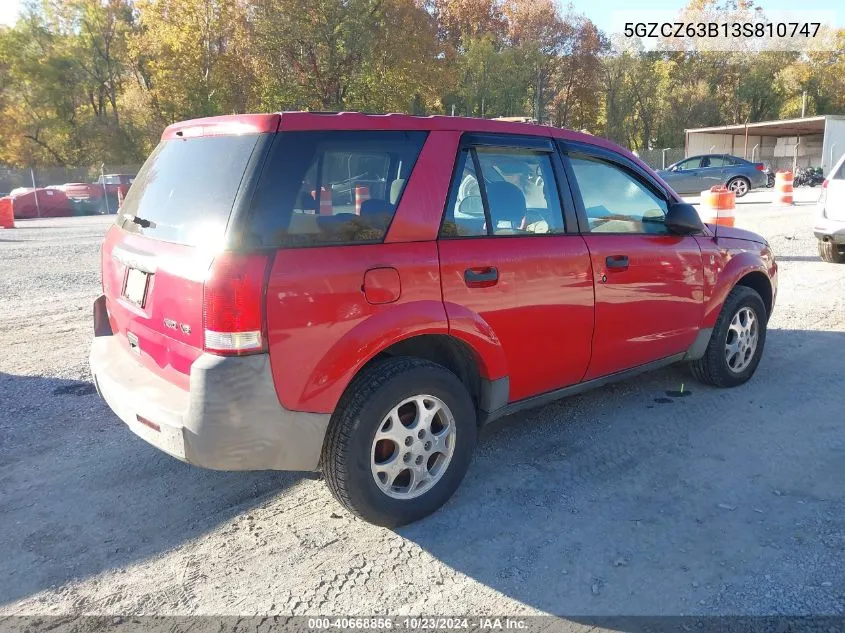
[{"x": 620, "y": 501}]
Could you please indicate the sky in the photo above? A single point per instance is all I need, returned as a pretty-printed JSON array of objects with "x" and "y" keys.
[{"x": 599, "y": 12}]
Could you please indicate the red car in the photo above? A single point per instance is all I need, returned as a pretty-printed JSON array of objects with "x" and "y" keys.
[
  {"x": 29, "y": 203},
  {"x": 112, "y": 186},
  {"x": 253, "y": 320}
]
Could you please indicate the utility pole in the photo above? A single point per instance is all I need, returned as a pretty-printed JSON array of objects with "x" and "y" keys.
[
  {"x": 798, "y": 138},
  {"x": 105, "y": 192},
  {"x": 35, "y": 192}
]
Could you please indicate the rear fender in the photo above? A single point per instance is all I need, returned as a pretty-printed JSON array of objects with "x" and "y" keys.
[
  {"x": 472, "y": 329},
  {"x": 368, "y": 339}
]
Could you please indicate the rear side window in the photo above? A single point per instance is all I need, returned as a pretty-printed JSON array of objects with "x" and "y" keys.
[
  {"x": 839, "y": 174},
  {"x": 185, "y": 191},
  {"x": 714, "y": 161},
  {"x": 321, "y": 188},
  {"x": 521, "y": 195}
]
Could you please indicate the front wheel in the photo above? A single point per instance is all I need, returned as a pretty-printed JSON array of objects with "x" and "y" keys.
[
  {"x": 739, "y": 185},
  {"x": 736, "y": 344},
  {"x": 400, "y": 441}
]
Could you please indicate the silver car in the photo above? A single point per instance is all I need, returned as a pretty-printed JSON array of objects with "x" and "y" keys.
[{"x": 698, "y": 173}]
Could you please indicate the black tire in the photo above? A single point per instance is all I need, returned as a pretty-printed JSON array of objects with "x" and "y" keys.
[
  {"x": 831, "y": 253},
  {"x": 347, "y": 450},
  {"x": 712, "y": 368},
  {"x": 736, "y": 179}
]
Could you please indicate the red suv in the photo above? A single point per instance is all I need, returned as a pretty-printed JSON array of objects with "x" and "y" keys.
[{"x": 357, "y": 293}]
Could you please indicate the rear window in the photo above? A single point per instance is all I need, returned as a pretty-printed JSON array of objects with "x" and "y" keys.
[
  {"x": 320, "y": 188},
  {"x": 186, "y": 189}
]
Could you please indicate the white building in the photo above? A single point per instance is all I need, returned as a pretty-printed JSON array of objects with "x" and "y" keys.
[{"x": 816, "y": 141}]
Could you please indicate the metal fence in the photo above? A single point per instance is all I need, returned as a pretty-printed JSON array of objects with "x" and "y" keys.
[
  {"x": 11, "y": 178},
  {"x": 662, "y": 158}
]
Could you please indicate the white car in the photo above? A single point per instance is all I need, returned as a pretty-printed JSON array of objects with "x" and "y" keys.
[{"x": 829, "y": 226}]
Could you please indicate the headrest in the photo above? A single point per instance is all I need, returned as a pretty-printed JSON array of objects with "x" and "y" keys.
[{"x": 507, "y": 203}]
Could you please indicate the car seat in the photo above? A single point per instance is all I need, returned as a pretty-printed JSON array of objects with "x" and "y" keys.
[{"x": 507, "y": 207}]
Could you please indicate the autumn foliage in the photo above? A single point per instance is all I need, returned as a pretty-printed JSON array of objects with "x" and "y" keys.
[{"x": 90, "y": 81}]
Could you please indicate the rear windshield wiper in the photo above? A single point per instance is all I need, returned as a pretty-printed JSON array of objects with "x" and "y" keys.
[{"x": 142, "y": 222}]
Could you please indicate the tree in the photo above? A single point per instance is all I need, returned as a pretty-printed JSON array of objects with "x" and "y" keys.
[{"x": 192, "y": 56}]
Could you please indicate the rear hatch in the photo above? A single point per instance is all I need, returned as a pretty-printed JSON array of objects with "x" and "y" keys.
[{"x": 157, "y": 257}]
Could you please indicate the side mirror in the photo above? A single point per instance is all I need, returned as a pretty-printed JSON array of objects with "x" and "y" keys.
[{"x": 683, "y": 219}]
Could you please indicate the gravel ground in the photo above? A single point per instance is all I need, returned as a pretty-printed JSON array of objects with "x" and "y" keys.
[{"x": 622, "y": 501}]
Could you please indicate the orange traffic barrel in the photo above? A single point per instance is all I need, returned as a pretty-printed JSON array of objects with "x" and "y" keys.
[
  {"x": 362, "y": 194},
  {"x": 783, "y": 187},
  {"x": 717, "y": 206},
  {"x": 7, "y": 214},
  {"x": 325, "y": 201}
]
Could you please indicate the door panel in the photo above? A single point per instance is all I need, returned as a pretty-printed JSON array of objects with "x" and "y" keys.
[
  {"x": 712, "y": 172},
  {"x": 510, "y": 272},
  {"x": 648, "y": 283},
  {"x": 540, "y": 308},
  {"x": 649, "y": 310},
  {"x": 686, "y": 178}
]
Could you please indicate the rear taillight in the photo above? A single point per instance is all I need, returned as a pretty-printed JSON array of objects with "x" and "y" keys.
[
  {"x": 760, "y": 167},
  {"x": 824, "y": 184},
  {"x": 233, "y": 305},
  {"x": 823, "y": 195}
]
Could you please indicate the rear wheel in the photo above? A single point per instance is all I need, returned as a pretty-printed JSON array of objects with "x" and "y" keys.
[
  {"x": 400, "y": 441},
  {"x": 739, "y": 185},
  {"x": 737, "y": 342},
  {"x": 832, "y": 253}
]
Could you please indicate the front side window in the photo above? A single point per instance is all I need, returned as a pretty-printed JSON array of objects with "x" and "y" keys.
[
  {"x": 689, "y": 163},
  {"x": 519, "y": 195},
  {"x": 323, "y": 188},
  {"x": 615, "y": 201}
]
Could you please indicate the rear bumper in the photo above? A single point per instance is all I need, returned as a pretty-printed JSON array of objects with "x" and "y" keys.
[
  {"x": 759, "y": 180},
  {"x": 829, "y": 230},
  {"x": 231, "y": 419}
]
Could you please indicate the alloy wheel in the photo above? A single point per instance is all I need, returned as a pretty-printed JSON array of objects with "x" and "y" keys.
[
  {"x": 413, "y": 446},
  {"x": 741, "y": 342}
]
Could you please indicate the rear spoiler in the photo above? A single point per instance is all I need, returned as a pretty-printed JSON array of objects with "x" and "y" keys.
[{"x": 223, "y": 126}]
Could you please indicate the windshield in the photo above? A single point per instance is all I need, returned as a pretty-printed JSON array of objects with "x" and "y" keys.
[{"x": 185, "y": 191}]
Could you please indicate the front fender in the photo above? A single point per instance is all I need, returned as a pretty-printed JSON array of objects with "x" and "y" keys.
[{"x": 731, "y": 266}]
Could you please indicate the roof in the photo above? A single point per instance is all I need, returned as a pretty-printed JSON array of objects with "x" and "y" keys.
[
  {"x": 306, "y": 121},
  {"x": 783, "y": 127},
  {"x": 300, "y": 121}
]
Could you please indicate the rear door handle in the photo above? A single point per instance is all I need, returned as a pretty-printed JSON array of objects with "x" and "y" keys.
[
  {"x": 616, "y": 262},
  {"x": 481, "y": 277}
]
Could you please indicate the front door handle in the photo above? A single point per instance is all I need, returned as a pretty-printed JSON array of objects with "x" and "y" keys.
[
  {"x": 481, "y": 277},
  {"x": 616, "y": 262}
]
